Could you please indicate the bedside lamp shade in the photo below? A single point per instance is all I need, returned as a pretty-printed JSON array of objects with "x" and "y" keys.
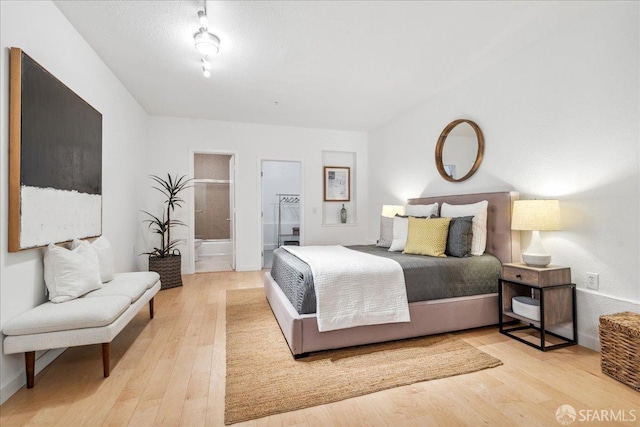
[
  {"x": 536, "y": 216},
  {"x": 391, "y": 210}
]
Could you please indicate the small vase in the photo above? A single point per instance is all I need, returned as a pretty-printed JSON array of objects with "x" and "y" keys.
[{"x": 343, "y": 214}]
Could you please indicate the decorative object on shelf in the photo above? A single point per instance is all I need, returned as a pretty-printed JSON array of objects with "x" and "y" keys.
[
  {"x": 536, "y": 216},
  {"x": 337, "y": 184},
  {"x": 343, "y": 214},
  {"x": 205, "y": 42},
  {"x": 526, "y": 306},
  {"x": 55, "y": 159},
  {"x": 463, "y": 153},
  {"x": 390, "y": 211},
  {"x": 166, "y": 260}
]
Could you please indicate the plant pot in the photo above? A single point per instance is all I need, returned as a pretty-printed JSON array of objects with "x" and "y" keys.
[{"x": 169, "y": 268}]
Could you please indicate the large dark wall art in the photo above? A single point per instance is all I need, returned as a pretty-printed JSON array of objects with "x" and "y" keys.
[{"x": 55, "y": 159}]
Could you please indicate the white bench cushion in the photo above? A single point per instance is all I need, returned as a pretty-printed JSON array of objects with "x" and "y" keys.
[
  {"x": 149, "y": 278},
  {"x": 75, "y": 314},
  {"x": 130, "y": 289}
]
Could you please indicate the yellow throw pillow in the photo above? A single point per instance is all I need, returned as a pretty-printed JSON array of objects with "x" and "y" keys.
[{"x": 427, "y": 236}]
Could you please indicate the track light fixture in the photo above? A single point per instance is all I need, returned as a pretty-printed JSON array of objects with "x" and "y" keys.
[
  {"x": 206, "y": 67},
  {"x": 205, "y": 42}
]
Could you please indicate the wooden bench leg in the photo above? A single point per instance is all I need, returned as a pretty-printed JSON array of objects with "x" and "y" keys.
[
  {"x": 30, "y": 365},
  {"x": 106, "y": 358},
  {"x": 151, "y": 308}
]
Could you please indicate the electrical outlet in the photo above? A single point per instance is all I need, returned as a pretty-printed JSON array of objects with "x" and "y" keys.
[{"x": 592, "y": 281}]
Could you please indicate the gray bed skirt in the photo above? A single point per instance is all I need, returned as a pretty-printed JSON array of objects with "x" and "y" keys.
[{"x": 427, "y": 318}]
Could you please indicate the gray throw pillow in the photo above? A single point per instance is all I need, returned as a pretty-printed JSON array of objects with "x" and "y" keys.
[
  {"x": 460, "y": 236},
  {"x": 386, "y": 232}
]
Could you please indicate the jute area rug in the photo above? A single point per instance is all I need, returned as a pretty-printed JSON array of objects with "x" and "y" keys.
[{"x": 264, "y": 379}]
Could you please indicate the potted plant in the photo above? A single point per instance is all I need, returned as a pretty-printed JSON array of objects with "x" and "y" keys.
[{"x": 166, "y": 259}]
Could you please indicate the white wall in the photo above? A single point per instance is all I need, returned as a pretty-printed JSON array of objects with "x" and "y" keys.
[
  {"x": 172, "y": 140},
  {"x": 44, "y": 33},
  {"x": 560, "y": 117}
]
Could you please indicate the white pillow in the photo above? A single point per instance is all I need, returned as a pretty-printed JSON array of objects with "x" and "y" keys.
[
  {"x": 479, "y": 223},
  {"x": 386, "y": 232},
  {"x": 400, "y": 231},
  {"x": 71, "y": 273},
  {"x": 105, "y": 257},
  {"x": 421, "y": 210}
]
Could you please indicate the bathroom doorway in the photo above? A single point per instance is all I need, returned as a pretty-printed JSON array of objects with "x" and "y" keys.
[
  {"x": 281, "y": 206},
  {"x": 213, "y": 213}
]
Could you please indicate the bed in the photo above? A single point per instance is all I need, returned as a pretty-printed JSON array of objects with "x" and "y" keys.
[{"x": 428, "y": 317}]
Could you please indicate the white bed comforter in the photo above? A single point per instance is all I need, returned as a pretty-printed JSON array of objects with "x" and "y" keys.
[{"x": 354, "y": 288}]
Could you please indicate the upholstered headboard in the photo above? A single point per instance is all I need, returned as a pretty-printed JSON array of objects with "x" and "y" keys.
[{"x": 503, "y": 243}]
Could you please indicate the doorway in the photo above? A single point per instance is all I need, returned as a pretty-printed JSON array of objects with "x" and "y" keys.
[
  {"x": 213, "y": 213},
  {"x": 281, "y": 206}
]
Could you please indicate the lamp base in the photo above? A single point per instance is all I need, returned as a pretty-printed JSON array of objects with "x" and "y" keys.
[
  {"x": 536, "y": 260},
  {"x": 536, "y": 255}
]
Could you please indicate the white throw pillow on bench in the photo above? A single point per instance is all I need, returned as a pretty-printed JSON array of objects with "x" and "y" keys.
[
  {"x": 69, "y": 274},
  {"x": 105, "y": 257}
]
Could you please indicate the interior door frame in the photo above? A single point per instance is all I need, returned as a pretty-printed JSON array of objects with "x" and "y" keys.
[
  {"x": 260, "y": 213},
  {"x": 191, "y": 204}
]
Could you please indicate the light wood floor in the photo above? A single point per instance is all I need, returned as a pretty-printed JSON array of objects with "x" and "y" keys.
[{"x": 171, "y": 371}]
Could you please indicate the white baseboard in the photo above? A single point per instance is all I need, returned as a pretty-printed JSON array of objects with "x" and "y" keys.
[
  {"x": 20, "y": 380},
  {"x": 247, "y": 267},
  {"x": 591, "y": 305},
  {"x": 589, "y": 341}
]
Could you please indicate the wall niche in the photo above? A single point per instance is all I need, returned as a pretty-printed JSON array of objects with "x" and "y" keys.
[{"x": 331, "y": 210}]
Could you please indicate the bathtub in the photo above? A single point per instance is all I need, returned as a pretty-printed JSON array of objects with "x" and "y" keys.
[{"x": 213, "y": 247}]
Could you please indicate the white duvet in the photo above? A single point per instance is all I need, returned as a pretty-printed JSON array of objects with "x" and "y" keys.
[{"x": 354, "y": 288}]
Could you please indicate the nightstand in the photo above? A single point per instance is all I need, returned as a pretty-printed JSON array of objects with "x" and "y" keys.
[{"x": 552, "y": 287}]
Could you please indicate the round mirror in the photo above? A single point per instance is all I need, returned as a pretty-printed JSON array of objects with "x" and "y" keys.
[{"x": 460, "y": 157}]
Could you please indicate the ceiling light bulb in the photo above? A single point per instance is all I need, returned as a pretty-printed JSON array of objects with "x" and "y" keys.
[
  {"x": 206, "y": 72},
  {"x": 206, "y": 43},
  {"x": 203, "y": 19}
]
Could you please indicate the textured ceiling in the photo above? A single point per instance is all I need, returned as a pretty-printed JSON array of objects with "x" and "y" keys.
[{"x": 339, "y": 65}]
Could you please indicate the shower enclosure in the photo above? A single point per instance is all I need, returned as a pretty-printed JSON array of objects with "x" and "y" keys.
[{"x": 213, "y": 212}]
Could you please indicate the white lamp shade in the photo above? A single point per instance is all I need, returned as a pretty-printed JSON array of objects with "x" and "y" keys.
[
  {"x": 536, "y": 215},
  {"x": 391, "y": 210},
  {"x": 206, "y": 43}
]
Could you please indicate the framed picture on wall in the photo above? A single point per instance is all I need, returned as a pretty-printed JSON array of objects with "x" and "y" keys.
[
  {"x": 55, "y": 159},
  {"x": 337, "y": 184}
]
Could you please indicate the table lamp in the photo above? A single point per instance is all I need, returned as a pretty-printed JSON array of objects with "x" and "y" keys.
[
  {"x": 536, "y": 216},
  {"x": 391, "y": 210}
]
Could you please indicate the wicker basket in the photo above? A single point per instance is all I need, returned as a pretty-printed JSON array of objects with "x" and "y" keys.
[
  {"x": 620, "y": 347},
  {"x": 169, "y": 268}
]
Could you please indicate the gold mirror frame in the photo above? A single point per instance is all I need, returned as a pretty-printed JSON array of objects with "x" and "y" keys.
[{"x": 440, "y": 149}]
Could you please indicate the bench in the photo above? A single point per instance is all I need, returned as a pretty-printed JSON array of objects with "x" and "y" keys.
[{"x": 95, "y": 318}]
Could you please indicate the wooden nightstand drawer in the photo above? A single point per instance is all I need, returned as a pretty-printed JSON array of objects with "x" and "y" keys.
[{"x": 547, "y": 276}]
